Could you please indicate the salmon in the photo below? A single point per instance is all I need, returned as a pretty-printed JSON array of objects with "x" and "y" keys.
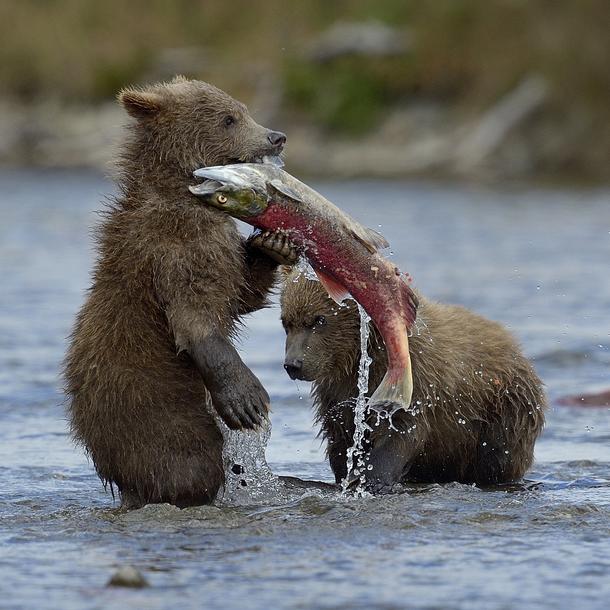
[{"x": 343, "y": 253}]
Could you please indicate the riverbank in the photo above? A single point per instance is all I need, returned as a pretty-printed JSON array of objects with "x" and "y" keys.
[
  {"x": 514, "y": 138},
  {"x": 469, "y": 89}
]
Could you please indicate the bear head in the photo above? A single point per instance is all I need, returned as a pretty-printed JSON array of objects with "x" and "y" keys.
[
  {"x": 186, "y": 124},
  {"x": 322, "y": 337}
]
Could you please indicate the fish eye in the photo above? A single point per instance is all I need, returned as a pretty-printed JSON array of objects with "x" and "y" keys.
[
  {"x": 229, "y": 120},
  {"x": 221, "y": 198}
]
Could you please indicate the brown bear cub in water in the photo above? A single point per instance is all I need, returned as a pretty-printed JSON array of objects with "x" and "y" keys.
[
  {"x": 152, "y": 344},
  {"x": 477, "y": 407}
]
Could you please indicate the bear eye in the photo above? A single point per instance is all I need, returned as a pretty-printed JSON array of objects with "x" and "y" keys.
[
  {"x": 229, "y": 120},
  {"x": 320, "y": 321}
]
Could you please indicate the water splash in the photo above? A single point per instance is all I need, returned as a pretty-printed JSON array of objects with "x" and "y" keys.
[
  {"x": 303, "y": 268},
  {"x": 356, "y": 465},
  {"x": 248, "y": 478}
]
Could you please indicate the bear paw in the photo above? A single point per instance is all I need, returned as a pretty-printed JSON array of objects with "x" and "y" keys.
[{"x": 276, "y": 246}]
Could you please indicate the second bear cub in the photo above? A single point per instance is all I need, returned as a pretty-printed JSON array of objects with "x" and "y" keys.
[{"x": 477, "y": 408}]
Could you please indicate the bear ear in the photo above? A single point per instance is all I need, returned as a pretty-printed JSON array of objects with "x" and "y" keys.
[{"x": 140, "y": 104}]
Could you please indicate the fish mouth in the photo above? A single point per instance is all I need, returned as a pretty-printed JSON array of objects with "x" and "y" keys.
[
  {"x": 210, "y": 185},
  {"x": 274, "y": 159}
]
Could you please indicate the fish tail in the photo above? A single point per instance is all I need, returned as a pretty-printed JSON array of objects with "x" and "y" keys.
[
  {"x": 394, "y": 392},
  {"x": 396, "y": 388}
]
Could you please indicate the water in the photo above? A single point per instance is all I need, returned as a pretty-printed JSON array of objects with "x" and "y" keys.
[
  {"x": 355, "y": 454},
  {"x": 536, "y": 260},
  {"x": 248, "y": 478}
]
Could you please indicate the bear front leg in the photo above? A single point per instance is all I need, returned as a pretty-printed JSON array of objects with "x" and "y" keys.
[
  {"x": 237, "y": 394},
  {"x": 264, "y": 252},
  {"x": 199, "y": 300},
  {"x": 337, "y": 457},
  {"x": 394, "y": 445}
]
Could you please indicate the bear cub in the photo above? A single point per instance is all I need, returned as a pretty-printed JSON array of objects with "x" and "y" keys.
[
  {"x": 151, "y": 358},
  {"x": 477, "y": 408}
]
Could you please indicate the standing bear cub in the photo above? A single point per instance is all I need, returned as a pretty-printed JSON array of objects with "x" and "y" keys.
[
  {"x": 151, "y": 349},
  {"x": 477, "y": 407}
]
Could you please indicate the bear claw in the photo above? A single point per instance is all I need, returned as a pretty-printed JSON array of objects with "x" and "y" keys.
[{"x": 276, "y": 245}]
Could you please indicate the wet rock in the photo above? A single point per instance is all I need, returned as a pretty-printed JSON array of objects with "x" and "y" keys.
[
  {"x": 128, "y": 576},
  {"x": 151, "y": 511},
  {"x": 370, "y": 38}
]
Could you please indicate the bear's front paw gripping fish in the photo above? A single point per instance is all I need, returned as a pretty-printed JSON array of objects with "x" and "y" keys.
[{"x": 343, "y": 253}]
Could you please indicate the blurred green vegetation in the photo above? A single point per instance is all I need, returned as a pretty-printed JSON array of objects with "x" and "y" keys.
[
  {"x": 347, "y": 94},
  {"x": 465, "y": 52}
]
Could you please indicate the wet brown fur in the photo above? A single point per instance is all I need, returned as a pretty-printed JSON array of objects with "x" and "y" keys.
[
  {"x": 481, "y": 405},
  {"x": 169, "y": 271}
]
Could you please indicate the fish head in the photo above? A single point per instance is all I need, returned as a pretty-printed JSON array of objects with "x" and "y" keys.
[{"x": 240, "y": 202}]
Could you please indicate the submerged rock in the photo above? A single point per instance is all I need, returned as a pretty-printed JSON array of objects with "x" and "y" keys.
[{"x": 128, "y": 576}]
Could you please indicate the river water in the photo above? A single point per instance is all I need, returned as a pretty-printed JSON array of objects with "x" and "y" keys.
[{"x": 535, "y": 259}]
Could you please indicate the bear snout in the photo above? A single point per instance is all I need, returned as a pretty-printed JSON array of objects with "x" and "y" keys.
[
  {"x": 294, "y": 368},
  {"x": 277, "y": 139}
]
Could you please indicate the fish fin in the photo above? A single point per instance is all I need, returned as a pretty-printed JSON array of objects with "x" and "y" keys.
[
  {"x": 409, "y": 302},
  {"x": 277, "y": 186},
  {"x": 369, "y": 238},
  {"x": 336, "y": 291},
  {"x": 392, "y": 396}
]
